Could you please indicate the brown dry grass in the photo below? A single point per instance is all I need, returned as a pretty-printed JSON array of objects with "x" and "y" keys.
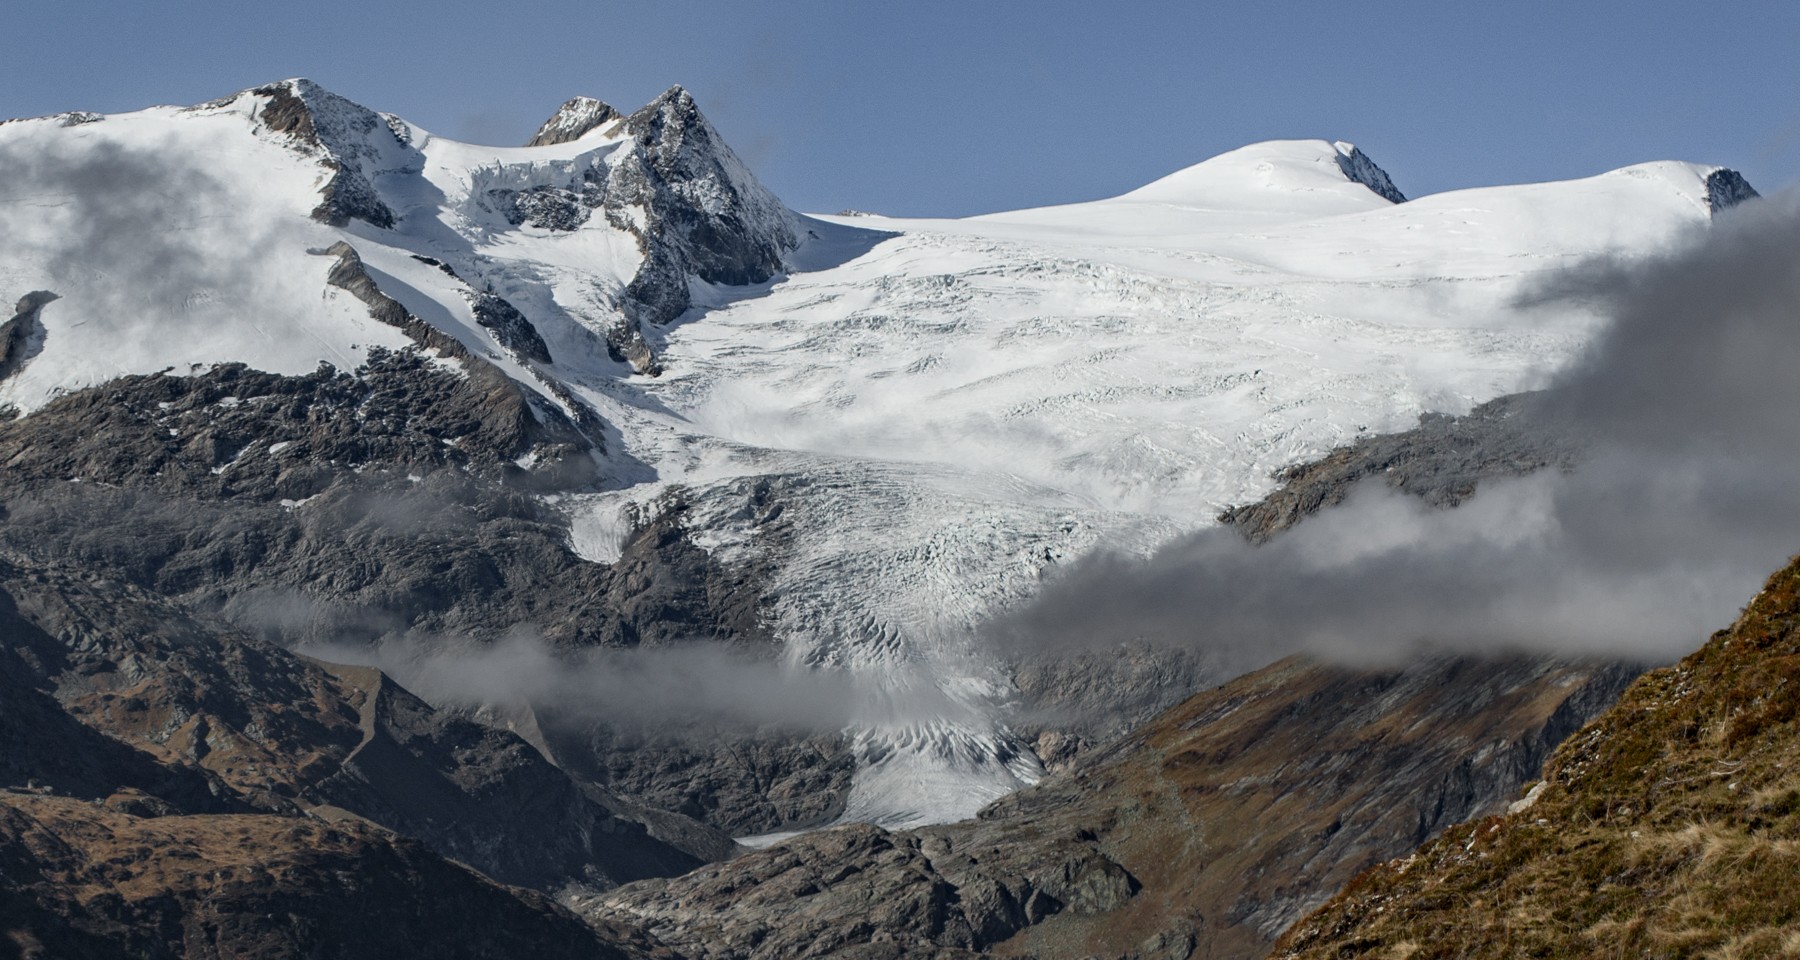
[{"x": 1670, "y": 828}]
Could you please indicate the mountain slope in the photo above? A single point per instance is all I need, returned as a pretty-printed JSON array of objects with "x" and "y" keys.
[
  {"x": 1665, "y": 828},
  {"x": 1205, "y": 832},
  {"x": 224, "y": 723},
  {"x": 880, "y": 432},
  {"x": 968, "y": 404},
  {"x": 84, "y": 881}
]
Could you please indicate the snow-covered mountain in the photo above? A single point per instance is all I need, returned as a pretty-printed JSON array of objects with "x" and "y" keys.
[{"x": 945, "y": 410}]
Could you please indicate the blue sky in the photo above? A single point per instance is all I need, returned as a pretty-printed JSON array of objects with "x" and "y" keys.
[{"x": 952, "y": 108}]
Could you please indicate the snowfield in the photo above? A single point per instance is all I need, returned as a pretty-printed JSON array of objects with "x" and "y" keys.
[
  {"x": 978, "y": 400},
  {"x": 947, "y": 409}
]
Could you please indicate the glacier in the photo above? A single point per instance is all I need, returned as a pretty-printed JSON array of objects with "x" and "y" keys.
[{"x": 948, "y": 409}]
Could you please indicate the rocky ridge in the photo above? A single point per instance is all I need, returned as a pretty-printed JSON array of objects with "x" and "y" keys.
[
  {"x": 375, "y": 508},
  {"x": 350, "y": 141},
  {"x": 1726, "y": 188},
  {"x": 1441, "y": 461},
  {"x": 694, "y": 210},
  {"x": 266, "y": 730},
  {"x": 576, "y": 118},
  {"x": 1358, "y": 167},
  {"x": 92, "y": 881}
]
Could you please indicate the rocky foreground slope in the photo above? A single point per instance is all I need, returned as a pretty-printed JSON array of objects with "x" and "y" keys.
[
  {"x": 86, "y": 881},
  {"x": 117, "y": 697},
  {"x": 1669, "y": 827},
  {"x": 1205, "y": 833}
]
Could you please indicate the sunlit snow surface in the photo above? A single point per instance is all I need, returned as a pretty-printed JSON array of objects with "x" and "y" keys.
[
  {"x": 947, "y": 409},
  {"x": 973, "y": 401}
]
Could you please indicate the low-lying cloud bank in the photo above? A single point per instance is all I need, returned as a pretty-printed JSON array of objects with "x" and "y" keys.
[
  {"x": 686, "y": 687},
  {"x": 1687, "y": 496}
]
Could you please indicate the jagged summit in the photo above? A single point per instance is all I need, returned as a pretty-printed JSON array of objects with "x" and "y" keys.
[
  {"x": 349, "y": 139},
  {"x": 573, "y": 120},
  {"x": 1726, "y": 188},
  {"x": 1357, "y": 166},
  {"x": 708, "y": 215}
]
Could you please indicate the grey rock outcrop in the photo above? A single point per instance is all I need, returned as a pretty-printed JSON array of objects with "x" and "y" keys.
[
  {"x": 1442, "y": 461},
  {"x": 349, "y": 140},
  {"x": 379, "y": 507},
  {"x": 1359, "y": 168},
  {"x": 22, "y": 336},
  {"x": 1726, "y": 188},
  {"x": 512, "y": 329},
  {"x": 229, "y": 722},
  {"x": 840, "y": 891},
  {"x": 696, "y": 211},
  {"x": 572, "y": 121},
  {"x": 707, "y": 216},
  {"x": 516, "y": 423}
]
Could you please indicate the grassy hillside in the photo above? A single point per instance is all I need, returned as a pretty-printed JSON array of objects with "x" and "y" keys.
[{"x": 1669, "y": 827}]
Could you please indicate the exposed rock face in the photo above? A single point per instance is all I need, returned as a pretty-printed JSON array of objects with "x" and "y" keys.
[
  {"x": 238, "y": 433},
  {"x": 517, "y": 423},
  {"x": 22, "y": 335},
  {"x": 514, "y": 331},
  {"x": 287, "y": 735},
  {"x": 377, "y": 507},
  {"x": 741, "y": 780},
  {"x": 1205, "y": 833},
  {"x": 705, "y": 214},
  {"x": 572, "y": 121},
  {"x": 351, "y": 141},
  {"x": 510, "y": 327},
  {"x": 1358, "y": 167},
  {"x": 836, "y": 892},
  {"x": 744, "y": 779},
  {"x": 695, "y": 210},
  {"x": 1441, "y": 461},
  {"x": 1665, "y": 828},
  {"x": 81, "y": 880},
  {"x": 1726, "y": 188}
]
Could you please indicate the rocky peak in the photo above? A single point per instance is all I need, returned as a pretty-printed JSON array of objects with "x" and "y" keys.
[
  {"x": 1726, "y": 188},
  {"x": 1358, "y": 167},
  {"x": 572, "y": 121},
  {"x": 675, "y": 108},
  {"x": 704, "y": 215},
  {"x": 349, "y": 139}
]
